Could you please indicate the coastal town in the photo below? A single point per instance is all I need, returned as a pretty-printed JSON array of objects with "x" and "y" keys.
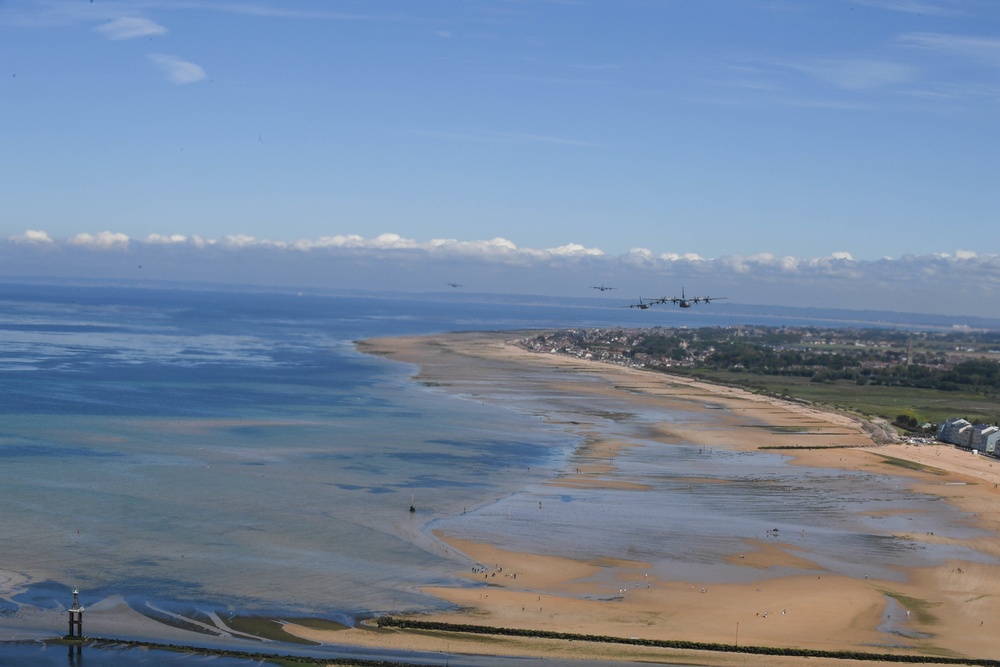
[{"x": 825, "y": 366}]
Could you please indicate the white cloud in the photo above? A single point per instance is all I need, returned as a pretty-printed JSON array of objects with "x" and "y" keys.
[
  {"x": 101, "y": 240},
  {"x": 392, "y": 241},
  {"x": 339, "y": 241},
  {"x": 176, "y": 70},
  {"x": 855, "y": 73},
  {"x": 687, "y": 257},
  {"x": 32, "y": 236},
  {"x": 496, "y": 247},
  {"x": 789, "y": 263},
  {"x": 736, "y": 263},
  {"x": 237, "y": 241},
  {"x": 130, "y": 28},
  {"x": 639, "y": 257},
  {"x": 163, "y": 239},
  {"x": 386, "y": 241},
  {"x": 575, "y": 250},
  {"x": 835, "y": 263}
]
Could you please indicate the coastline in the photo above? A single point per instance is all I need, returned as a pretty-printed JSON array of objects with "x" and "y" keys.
[
  {"x": 944, "y": 604},
  {"x": 620, "y": 595}
]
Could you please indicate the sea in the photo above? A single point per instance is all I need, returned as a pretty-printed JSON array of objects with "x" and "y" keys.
[{"x": 196, "y": 453}]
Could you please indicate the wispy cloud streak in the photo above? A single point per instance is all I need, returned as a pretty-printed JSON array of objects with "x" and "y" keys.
[
  {"x": 922, "y": 7},
  {"x": 176, "y": 70},
  {"x": 130, "y": 28},
  {"x": 985, "y": 50},
  {"x": 855, "y": 74}
]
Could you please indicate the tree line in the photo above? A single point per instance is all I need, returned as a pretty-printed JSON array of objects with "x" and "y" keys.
[{"x": 884, "y": 358}]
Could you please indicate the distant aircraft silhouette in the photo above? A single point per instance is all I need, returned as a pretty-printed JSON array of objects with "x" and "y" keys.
[
  {"x": 642, "y": 305},
  {"x": 602, "y": 288}
]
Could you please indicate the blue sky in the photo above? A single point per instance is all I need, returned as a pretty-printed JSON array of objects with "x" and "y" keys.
[{"x": 689, "y": 138}]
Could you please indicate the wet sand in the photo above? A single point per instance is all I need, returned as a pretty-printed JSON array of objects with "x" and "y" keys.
[{"x": 943, "y": 610}]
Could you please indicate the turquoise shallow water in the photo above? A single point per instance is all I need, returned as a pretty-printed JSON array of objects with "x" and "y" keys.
[{"x": 200, "y": 452}]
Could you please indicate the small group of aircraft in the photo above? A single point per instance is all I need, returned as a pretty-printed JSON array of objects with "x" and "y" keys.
[{"x": 683, "y": 301}]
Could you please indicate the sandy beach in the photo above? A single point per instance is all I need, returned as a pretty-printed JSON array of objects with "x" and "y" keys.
[{"x": 944, "y": 610}]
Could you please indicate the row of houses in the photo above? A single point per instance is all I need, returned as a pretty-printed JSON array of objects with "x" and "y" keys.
[{"x": 974, "y": 437}]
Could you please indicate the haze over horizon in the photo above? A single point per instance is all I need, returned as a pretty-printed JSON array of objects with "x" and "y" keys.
[{"x": 840, "y": 153}]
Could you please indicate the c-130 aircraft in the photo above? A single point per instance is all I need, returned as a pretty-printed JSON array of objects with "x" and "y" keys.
[{"x": 683, "y": 301}]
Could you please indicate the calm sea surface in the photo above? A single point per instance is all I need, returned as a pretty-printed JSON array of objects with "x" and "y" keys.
[{"x": 200, "y": 452}]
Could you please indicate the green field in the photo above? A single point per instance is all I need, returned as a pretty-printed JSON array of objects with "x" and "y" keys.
[{"x": 925, "y": 405}]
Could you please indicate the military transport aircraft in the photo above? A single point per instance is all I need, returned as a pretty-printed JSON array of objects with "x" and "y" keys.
[
  {"x": 683, "y": 301},
  {"x": 602, "y": 288},
  {"x": 686, "y": 301}
]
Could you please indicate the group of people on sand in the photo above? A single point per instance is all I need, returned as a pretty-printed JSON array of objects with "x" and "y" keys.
[{"x": 482, "y": 569}]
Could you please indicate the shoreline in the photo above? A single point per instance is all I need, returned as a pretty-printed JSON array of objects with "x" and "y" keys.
[
  {"x": 942, "y": 605},
  {"x": 790, "y": 599}
]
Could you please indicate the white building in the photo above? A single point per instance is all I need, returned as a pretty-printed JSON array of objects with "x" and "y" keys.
[
  {"x": 984, "y": 438},
  {"x": 956, "y": 431}
]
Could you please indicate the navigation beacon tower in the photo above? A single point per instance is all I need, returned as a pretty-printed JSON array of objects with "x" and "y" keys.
[{"x": 76, "y": 618}]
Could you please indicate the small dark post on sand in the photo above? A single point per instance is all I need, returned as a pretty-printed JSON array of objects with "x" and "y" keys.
[{"x": 76, "y": 618}]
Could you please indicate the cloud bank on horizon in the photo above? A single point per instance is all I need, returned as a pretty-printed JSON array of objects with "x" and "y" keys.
[{"x": 960, "y": 283}]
